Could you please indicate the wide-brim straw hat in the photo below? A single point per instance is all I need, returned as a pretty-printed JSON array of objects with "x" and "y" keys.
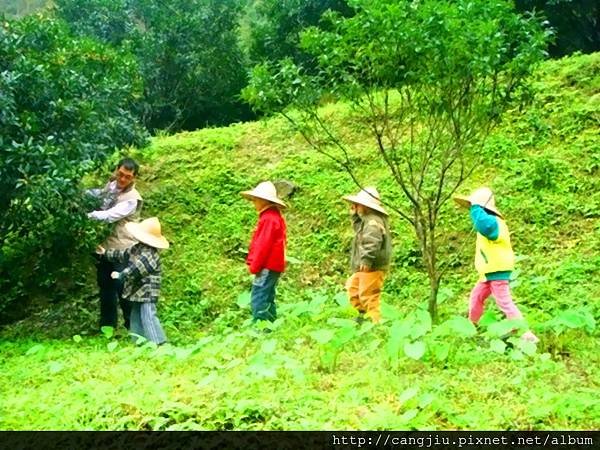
[
  {"x": 368, "y": 197},
  {"x": 266, "y": 191},
  {"x": 483, "y": 197},
  {"x": 148, "y": 231}
]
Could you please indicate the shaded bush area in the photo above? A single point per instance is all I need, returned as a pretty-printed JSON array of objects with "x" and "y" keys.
[
  {"x": 576, "y": 23},
  {"x": 271, "y": 28},
  {"x": 189, "y": 58},
  {"x": 65, "y": 106}
]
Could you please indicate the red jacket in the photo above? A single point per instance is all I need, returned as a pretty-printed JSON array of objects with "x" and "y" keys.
[{"x": 267, "y": 248}]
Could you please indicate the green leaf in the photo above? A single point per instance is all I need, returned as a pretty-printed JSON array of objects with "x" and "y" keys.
[
  {"x": 527, "y": 347},
  {"x": 505, "y": 327},
  {"x": 108, "y": 332},
  {"x": 322, "y": 336},
  {"x": 243, "y": 300},
  {"x": 292, "y": 260},
  {"x": 400, "y": 329},
  {"x": 77, "y": 338},
  {"x": 444, "y": 294},
  {"x": 498, "y": 346},
  {"x": 268, "y": 346},
  {"x": 388, "y": 312},
  {"x": 346, "y": 333},
  {"x": 517, "y": 355},
  {"x": 440, "y": 350},
  {"x": 415, "y": 350},
  {"x": 35, "y": 349},
  {"x": 112, "y": 345},
  {"x": 409, "y": 415},
  {"x": 421, "y": 323},
  {"x": 341, "y": 298},
  {"x": 489, "y": 317},
  {"x": 577, "y": 319},
  {"x": 341, "y": 323},
  {"x": 459, "y": 326},
  {"x": 426, "y": 400},
  {"x": 407, "y": 394}
]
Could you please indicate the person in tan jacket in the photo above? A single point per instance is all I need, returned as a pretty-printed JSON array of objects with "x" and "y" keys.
[
  {"x": 371, "y": 253},
  {"x": 121, "y": 204}
]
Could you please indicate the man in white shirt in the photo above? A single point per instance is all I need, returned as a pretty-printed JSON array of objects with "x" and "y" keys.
[{"x": 121, "y": 203}]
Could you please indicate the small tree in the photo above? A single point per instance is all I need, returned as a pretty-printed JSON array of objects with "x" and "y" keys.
[{"x": 427, "y": 80}]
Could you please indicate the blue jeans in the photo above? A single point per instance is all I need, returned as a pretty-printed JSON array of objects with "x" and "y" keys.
[
  {"x": 263, "y": 295},
  {"x": 144, "y": 322}
]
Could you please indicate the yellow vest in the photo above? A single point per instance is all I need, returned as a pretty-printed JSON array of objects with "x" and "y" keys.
[{"x": 494, "y": 256}]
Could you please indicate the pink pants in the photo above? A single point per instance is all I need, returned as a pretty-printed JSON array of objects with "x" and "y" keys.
[{"x": 501, "y": 292}]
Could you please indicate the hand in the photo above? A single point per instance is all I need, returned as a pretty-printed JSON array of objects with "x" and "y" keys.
[
  {"x": 364, "y": 268},
  {"x": 115, "y": 275},
  {"x": 100, "y": 250}
]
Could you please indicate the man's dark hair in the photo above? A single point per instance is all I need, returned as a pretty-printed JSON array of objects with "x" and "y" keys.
[{"x": 129, "y": 164}]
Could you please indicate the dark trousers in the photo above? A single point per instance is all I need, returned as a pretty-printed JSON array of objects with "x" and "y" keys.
[
  {"x": 110, "y": 294},
  {"x": 263, "y": 295}
]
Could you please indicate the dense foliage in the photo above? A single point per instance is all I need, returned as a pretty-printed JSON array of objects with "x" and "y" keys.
[
  {"x": 187, "y": 50},
  {"x": 272, "y": 27},
  {"x": 65, "y": 106},
  {"x": 317, "y": 369},
  {"x": 19, "y": 8},
  {"x": 576, "y": 23},
  {"x": 428, "y": 80},
  {"x": 78, "y": 83}
]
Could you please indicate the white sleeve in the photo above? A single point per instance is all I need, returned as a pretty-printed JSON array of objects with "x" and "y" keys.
[{"x": 117, "y": 212}]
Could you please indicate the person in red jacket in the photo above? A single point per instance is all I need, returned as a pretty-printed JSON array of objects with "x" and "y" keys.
[{"x": 266, "y": 255}]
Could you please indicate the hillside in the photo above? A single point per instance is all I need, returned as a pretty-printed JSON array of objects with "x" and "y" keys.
[{"x": 317, "y": 369}]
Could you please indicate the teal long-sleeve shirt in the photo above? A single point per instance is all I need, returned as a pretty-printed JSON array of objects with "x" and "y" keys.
[{"x": 486, "y": 224}]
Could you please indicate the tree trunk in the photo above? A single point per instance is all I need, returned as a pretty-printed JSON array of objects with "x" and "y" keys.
[
  {"x": 434, "y": 284},
  {"x": 426, "y": 236}
]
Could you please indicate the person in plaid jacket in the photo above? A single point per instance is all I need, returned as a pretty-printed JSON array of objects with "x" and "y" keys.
[{"x": 141, "y": 277}]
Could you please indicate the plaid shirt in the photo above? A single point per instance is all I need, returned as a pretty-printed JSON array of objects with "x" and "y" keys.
[{"x": 142, "y": 274}]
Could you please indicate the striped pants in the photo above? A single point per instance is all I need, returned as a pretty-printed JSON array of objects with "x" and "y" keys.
[{"x": 144, "y": 322}]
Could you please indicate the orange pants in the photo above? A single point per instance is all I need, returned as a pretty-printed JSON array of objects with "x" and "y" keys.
[{"x": 364, "y": 291}]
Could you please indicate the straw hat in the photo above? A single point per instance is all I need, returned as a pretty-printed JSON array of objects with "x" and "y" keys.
[
  {"x": 148, "y": 232},
  {"x": 368, "y": 197},
  {"x": 266, "y": 191},
  {"x": 483, "y": 197}
]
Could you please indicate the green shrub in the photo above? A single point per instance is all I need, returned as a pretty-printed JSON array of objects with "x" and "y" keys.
[{"x": 65, "y": 105}]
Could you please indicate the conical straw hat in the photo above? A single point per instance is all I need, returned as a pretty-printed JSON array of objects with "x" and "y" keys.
[
  {"x": 483, "y": 197},
  {"x": 266, "y": 191},
  {"x": 148, "y": 231},
  {"x": 368, "y": 197}
]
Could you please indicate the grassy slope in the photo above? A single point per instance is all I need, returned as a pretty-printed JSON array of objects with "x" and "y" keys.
[{"x": 223, "y": 373}]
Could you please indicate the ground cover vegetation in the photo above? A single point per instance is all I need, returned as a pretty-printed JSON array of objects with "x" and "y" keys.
[
  {"x": 428, "y": 82},
  {"x": 165, "y": 66},
  {"x": 318, "y": 369}
]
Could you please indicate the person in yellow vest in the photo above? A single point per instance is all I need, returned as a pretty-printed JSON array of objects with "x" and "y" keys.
[
  {"x": 494, "y": 257},
  {"x": 121, "y": 204},
  {"x": 371, "y": 253}
]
